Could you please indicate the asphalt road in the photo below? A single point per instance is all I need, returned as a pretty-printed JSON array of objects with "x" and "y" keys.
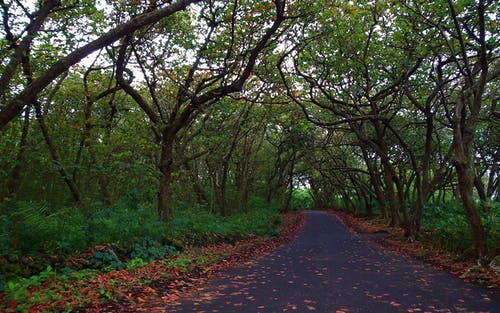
[{"x": 327, "y": 269}]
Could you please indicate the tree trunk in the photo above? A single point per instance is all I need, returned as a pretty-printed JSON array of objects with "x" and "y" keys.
[
  {"x": 493, "y": 189},
  {"x": 288, "y": 200},
  {"x": 391, "y": 197},
  {"x": 75, "y": 192},
  {"x": 376, "y": 184},
  {"x": 365, "y": 194},
  {"x": 465, "y": 188},
  {"x": 480, "y": 188},
  {"x": 462, "y": 145},
  {"x": 102, "y": 180},
  {"x": 241, "y": 184},
  {"x": 200, "y": 194},
  {"x": 212, "y": 175},
  {"x": 166, "y": 168},
  {"x": 14, "y": 179},
  {"x": 349, "y": 205},
  {"x": 402, "y": 200},
  {"x": 423, "y": 181},
  {"x": 223, "y": 186}
]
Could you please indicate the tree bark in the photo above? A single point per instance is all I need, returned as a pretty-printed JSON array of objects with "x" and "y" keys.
[
  {"x": 166, "y": 168},
  {"x": 391, "y": 197},
  {"x": 462, "y": 146},
  {"x": 14, "y": 179},
  {"x": 289, "y": 196},
  {"x": 376, "y": 184},
  {"x": 465, "y": 188},
  {"x": 193, "y": 171}
]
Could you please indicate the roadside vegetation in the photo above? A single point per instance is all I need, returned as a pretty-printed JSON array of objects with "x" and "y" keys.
[
  {"x": 38, "y": 238},
  {"x": 97, "y": 259}
]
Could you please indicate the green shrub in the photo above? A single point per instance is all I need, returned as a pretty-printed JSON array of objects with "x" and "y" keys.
[
  {"x": 449, "y": 228},
  {"x": 105, "y": 259},
  {"x": 130, "y": 227},
  {"x": 301, "y": 200},
  {"x": 5, "y": 238},
  {"x": 149, "y": 249},
  {"x": 122, "y": 225},
  {"x": 30, "y": 228},
  {"x": 72, "y": 228},
  {"x": 33, "y": 228},
  {"x": 491, "y": 222}
]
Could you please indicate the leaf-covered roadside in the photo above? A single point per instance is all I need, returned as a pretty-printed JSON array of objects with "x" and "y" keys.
[
  {"x": 455, "y": 263},
  {"x": 143, "y": 288}
]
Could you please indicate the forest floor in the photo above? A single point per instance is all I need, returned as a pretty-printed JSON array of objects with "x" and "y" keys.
[{"x": 457, "y": 264}]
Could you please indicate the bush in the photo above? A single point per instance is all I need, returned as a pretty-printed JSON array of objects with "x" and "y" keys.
[
  {"x": 301, "y": 200},
  {"x": 491, "y": 222},
  {"x": 130, "y": 227},
  {"x": 31, "y": 228},
  {"x": 150, "y": 249},
  {"x": 119, "y": 224},
  {"x": 448, "y": 226},
  {"x": 201, "y": 228}
]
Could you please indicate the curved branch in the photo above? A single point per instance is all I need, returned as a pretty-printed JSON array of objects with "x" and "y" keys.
[{"x": 13, "y": 107}]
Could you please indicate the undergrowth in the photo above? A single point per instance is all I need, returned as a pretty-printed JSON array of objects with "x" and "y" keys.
[
  {"x": 446, "y": 226},
  {"x": 36, "y": 235},
  {"x": 301, "y": 200},
  {"x": 86, "y": 290}
]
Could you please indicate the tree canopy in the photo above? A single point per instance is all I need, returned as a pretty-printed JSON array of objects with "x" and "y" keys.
[{"x": 383, "y": 108}]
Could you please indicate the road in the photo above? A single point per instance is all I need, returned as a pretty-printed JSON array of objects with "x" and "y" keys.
[{"x": 328, "y": 269}]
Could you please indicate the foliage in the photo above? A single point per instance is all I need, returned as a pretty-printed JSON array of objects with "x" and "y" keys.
[
  {"x": 40, "y": 227},
  {"x": 447, "y": 226},
  {"x": 197, "y": 228},
  {"x": 129, "y": 230},
  {"x": 217, "y": 110},
  {"x": 149, "y": 249},
  {"x": 301, "y": 200},
  {"x": 19, "y": 290},
  {"x": 106, "y": 260}
]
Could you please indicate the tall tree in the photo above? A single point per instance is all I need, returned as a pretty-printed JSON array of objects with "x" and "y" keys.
[
  {"x": 224, "y": 55},
  {"x": 467, "y": 51}
]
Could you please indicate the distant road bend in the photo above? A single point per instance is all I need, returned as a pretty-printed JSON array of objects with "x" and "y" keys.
[{"x": 326, "y": 269}]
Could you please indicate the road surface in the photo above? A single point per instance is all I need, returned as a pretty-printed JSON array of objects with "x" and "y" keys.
[{"x": 328, "y": 269}]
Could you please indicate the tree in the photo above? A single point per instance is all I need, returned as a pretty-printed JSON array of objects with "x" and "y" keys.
[
  {"x": 467, "y": 65},
  {"x": 15, "y": 101},
  {"x": 354, "y": 82},
  {"x": 222, "y": 63}
]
